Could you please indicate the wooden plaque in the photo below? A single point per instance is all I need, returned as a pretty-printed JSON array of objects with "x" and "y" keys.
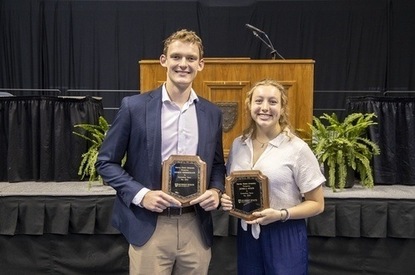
[
  {"x": 248, "y": 190},
  {"x": 184, "y": 177}
]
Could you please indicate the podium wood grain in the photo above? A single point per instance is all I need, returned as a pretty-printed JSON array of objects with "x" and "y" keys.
[{"x": 227, "y": 80}]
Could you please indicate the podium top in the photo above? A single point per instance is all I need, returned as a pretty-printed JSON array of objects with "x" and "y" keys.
[{"x": 242, "y": 60}]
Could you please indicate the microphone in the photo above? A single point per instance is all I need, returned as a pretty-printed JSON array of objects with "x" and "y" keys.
[{"x": 255, "y": 31}]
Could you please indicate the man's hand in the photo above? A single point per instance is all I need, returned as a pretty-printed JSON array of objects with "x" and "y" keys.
[
  {"x": 157, "y": 201},
  {"x": 208, "y": 201}
]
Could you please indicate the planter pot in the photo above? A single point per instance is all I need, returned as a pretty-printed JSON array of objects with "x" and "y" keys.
[{"x": 350, "y": 179}]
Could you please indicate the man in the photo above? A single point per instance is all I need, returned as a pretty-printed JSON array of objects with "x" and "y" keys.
[{"x": 170, "y": 120}]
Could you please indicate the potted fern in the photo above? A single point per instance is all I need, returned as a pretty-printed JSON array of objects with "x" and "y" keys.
[
  {"x": 341, "y": 146},
  {"x": 94, "y": 133}
]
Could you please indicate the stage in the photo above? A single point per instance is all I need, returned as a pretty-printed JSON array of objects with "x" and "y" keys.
[{"x": 64, "y": 228}]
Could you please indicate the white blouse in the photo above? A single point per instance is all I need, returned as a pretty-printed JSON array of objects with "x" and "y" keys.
[{"x": 290, "y": 165}]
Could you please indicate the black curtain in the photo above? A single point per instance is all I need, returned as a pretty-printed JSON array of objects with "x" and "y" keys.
[
  {"x": 400, "y": 73},
  {"x": 357, "y": 45},
  {"x": 345, "y": 256},
  {"x": 36, "y": 139},
  {"x": 395, "y": 135}
]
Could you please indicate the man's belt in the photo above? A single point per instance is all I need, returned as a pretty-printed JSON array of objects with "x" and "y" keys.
[{"x": 177, "y": 211}]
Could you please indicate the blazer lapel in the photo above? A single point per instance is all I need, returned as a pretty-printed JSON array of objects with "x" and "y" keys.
[
  {"x": 202, "y": 123},
  {"x": 153, "y": 131}
]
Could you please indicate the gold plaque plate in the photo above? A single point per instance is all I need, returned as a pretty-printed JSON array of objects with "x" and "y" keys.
[
  {"x": 248, "y": 190},
  {"x": 184, "y": 177}
]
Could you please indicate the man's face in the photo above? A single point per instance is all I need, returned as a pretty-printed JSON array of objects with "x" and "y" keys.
[{"x": 182, "y": 62}]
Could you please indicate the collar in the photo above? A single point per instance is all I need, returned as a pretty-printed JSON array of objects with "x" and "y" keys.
[
  {"x": 277, "y": 141},
  {"x": 166, "y": 98}
]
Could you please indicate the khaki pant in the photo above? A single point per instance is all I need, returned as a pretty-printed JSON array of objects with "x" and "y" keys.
[{"x": 176, "y": 247}]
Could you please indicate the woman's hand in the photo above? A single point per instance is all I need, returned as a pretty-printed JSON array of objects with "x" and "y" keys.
[
  {"x": 226, "y": 202},
  {"x": 265, "y": 216}
]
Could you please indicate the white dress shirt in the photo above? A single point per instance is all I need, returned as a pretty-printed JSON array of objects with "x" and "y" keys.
[{"x": 179, "y": 131}]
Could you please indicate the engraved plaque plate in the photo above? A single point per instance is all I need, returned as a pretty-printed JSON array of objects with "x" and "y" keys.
[
  {"x": 248, "y": 191},
  {"x": 184, "y": 177}
]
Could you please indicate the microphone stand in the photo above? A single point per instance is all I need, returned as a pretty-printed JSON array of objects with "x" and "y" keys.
[{"x": 268, "y": 43}]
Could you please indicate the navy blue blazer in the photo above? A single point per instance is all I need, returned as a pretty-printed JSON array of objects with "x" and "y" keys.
[{"x": 136, "y": 131}]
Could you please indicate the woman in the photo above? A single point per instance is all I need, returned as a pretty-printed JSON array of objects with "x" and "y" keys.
[{"x": 275, "y": 242}]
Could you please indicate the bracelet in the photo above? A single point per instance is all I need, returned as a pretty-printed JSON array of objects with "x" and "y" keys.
[{"x": 287, "y": 215}]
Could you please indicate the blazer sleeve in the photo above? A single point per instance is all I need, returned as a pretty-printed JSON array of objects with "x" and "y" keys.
[{"x": 113, "y": 150}]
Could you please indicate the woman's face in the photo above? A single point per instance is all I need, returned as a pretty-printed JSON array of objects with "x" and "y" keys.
[{"x": 266, "y": 107}]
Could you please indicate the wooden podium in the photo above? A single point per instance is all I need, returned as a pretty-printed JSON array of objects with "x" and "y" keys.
[{"x": 225, "y": 82}]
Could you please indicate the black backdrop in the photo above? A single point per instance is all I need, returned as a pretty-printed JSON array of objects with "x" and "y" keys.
[
  {"x": 360, "y": 46},
  {"x": 36, "y": 140},
  {"x": 82, "y": 44},
  {"x": 395, "y": 134}
]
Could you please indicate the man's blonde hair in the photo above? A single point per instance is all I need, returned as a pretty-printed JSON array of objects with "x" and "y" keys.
[{"x": 184, "y": 36}]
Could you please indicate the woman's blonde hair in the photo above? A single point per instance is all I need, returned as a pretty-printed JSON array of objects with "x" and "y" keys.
[{"x": 250, "y": 130}]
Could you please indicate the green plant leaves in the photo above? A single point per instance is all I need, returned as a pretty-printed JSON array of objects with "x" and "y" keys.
[
  {"x": 342, "y": 144},
  {"x": 95, "y": 134}
]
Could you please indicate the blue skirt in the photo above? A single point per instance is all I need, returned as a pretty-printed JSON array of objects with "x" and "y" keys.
[{"x": 282, "y": 249}]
